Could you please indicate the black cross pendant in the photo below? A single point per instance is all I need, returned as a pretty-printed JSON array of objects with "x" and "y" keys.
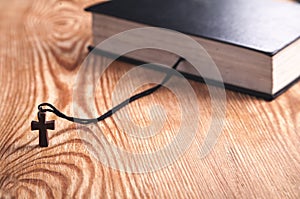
[{"x": 42, "y": 125}]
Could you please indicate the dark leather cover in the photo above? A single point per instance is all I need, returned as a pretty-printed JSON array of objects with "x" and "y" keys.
[{"x": 266, "y": 26}]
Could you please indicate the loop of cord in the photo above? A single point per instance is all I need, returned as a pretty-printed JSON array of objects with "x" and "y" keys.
[{"x": 53, "y": 109}]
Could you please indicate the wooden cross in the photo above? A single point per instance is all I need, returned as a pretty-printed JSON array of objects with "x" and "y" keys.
[{"x": 42, "y": 125}]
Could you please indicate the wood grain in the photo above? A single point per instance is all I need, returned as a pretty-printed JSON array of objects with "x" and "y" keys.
[{"x": 42, "y": 46}]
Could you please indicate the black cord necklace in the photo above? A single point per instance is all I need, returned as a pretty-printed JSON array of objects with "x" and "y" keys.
[{"x": 42, "y": 125}]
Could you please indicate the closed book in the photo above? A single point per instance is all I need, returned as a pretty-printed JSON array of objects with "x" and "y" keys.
[{"x": 255, "y": 44}]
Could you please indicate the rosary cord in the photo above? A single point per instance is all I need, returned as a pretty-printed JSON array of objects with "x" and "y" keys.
[{"x": 109, "y": 113}]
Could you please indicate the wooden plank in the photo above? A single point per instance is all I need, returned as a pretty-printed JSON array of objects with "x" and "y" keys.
[{"x": 42, "y": 46}]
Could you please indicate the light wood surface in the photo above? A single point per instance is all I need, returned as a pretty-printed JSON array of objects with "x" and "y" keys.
[{"x": 42, "y": 45}]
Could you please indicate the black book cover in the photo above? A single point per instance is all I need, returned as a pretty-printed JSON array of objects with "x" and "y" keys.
[{"x": 262, "y": 25}]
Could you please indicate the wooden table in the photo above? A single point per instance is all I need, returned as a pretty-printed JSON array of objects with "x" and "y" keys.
[{"x": 42, "y": 45}]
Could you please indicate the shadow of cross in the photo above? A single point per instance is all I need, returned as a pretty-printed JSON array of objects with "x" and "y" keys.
[{"x": 42, "y": 125}]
